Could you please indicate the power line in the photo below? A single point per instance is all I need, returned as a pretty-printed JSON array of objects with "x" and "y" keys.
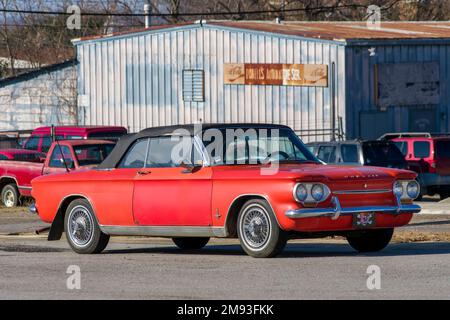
[
  {"x": 86, "y": 26},
  {"x": 253, "y": 12}
]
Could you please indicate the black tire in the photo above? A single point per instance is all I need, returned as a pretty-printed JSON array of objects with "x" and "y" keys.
[
  {"x": 444, "y": 195},
  {"x": 190, "y": 243},
  {"x": 95, "y": 240},
  {"x": 371, "y": 240},
  {"x": 10, "y": 196},
  {"x": 267, "y": 240}
]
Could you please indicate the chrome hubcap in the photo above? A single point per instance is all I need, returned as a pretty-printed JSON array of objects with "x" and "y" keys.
[
  {"x": 80, "y": 225},
  {"x": 9, "y": 199},
  {"x": 256, "y": 227}
]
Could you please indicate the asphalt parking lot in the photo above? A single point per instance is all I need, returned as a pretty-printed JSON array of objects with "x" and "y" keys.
[{"x": 414, "y": 266}]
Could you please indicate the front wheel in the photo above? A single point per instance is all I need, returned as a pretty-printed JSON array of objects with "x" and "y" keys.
[
  {"x": 10, "y": 196},
  {"x": 444, "y": 195},
  {"x": 258, "y": 230},
  {"x": 371, "y": 240},
  {"x": 190, "y": 243},
  {"x": 82, "y": 230}
]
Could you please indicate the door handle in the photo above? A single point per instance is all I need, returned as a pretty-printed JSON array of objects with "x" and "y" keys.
[{"x": 143, "y": 172}]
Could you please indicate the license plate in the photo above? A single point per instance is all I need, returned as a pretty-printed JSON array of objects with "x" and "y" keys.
[{"x": 364, "y": 220}]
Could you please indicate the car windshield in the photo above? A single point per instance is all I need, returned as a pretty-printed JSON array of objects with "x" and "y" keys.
[
  {"x": 255, "y": 146},
  {"x": 382, "y": 153},
  {"x": 92, "y": 154}
]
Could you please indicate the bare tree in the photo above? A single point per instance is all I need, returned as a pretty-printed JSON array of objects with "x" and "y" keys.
[{"x": 44, "y": 39}]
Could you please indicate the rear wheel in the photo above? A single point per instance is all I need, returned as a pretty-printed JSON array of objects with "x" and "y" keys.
[
  {"x": 82, "y": 230},
  {"x": 444, "y": 195},
  {"x": 190, "y": 243},
  {"x": 258, "y": 230},
  {"x": 371, "y": 240},
  {"x": 10, "y": 196}
]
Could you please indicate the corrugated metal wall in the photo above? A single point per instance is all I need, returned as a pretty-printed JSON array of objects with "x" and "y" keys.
[
  {"x": 30, "y": 101},
  {"x": 135, "y": 80},
  {"x": 361, "y": 93}
]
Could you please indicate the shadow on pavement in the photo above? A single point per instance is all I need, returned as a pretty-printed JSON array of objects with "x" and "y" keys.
[
  {"x": 428, "y": 223},
  {"x": 305, "y": 250}
]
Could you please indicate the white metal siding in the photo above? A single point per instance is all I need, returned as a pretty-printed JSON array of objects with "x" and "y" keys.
[
  {"x": 46, "y": 99},
  {"x": 136, "y": 80}
]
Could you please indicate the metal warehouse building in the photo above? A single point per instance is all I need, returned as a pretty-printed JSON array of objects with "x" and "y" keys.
[{"x": 322, "y": 79}]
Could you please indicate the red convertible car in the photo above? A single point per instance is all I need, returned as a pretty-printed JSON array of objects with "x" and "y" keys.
[{"x": 255, "y": 182}]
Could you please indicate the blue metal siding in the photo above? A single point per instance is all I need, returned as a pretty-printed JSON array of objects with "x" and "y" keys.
[{"x": 360, "y": 81}]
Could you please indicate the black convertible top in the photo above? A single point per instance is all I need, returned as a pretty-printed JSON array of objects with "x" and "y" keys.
[{"x": 127, "y": 141}]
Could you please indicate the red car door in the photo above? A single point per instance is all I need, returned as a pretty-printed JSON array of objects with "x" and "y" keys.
[{"x": 166, "y": 194}]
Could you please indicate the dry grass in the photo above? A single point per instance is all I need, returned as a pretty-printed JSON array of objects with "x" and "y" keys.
[{"x": 417, "y": 236}]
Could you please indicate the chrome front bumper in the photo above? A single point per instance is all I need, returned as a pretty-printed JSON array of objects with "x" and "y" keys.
[{"x": 336, "y": 211}]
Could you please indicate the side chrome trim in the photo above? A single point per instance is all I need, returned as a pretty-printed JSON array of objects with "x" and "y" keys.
[
  {"x": 80, "y": 196},
  {"x": 75, "y": 195},
  {"x": 375, "y": 191},
  {"x": 250, "y": 195},
  {"x": 337, "y": 210},
  {"x": 22, "y": 187},
  {"x": 164, "y": 231}
]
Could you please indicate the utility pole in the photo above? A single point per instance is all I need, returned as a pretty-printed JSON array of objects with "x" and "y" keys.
[
  {"x": 282, "y": 7},
  {"x": 148, "y": 12}
]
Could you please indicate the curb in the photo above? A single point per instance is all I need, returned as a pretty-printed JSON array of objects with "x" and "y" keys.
[{"x": 434, "y": 212}]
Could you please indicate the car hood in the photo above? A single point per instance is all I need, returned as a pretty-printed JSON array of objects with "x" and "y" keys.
[{"x": 314, "y": 172}]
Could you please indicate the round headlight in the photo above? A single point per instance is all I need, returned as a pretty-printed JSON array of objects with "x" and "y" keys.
[
  {"x": 317, "y": 192},
  {"x": 301, "y": 193},
  {"x": 398, "y": 189},
  {"x": 413, "y": 189}
]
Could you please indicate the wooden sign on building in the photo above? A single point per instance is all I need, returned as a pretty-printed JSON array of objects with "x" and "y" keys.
[{"x": 276, "y": 74}]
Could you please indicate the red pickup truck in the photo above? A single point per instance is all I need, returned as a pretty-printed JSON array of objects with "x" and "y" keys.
[
  {"x": 63, "y": 156},
  {"x": 41, "y": 138}
]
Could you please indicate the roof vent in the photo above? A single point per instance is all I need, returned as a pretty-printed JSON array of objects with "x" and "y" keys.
[{"x": 200, "y": 22}]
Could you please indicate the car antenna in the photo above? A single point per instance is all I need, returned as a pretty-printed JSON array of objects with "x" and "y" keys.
[{"x": 55, "y": 139}]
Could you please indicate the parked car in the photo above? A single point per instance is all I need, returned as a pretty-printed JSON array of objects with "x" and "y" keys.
[
  {"x": 21, "y": 166},
  {"x": 262, "y": 188},
  {"x": 428, "y": 155},
  {"x": 359, "y": 152},
  {"x": 41, "y": 139}
]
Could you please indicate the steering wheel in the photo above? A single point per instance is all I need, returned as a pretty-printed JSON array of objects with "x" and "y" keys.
[{"x": 281, "y": 156}]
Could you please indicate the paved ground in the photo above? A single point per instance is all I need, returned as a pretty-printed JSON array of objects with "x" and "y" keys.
[{"x": 31, "y": 267}]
